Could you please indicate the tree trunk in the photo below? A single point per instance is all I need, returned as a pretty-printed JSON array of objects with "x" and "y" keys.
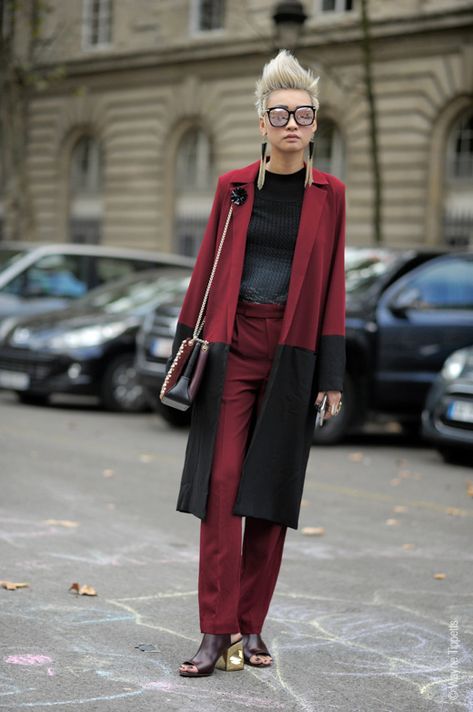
[
  {"x": 14, "y": 105},
  {"x": 373, "y": 122}
]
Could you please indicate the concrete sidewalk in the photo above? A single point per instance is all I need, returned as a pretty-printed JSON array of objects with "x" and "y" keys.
[{"x": 358, "y": 621}]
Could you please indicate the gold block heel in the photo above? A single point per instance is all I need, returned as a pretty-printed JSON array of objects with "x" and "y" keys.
[{"x": 232, "y": 658}]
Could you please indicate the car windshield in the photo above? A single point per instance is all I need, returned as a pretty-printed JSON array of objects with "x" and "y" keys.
[
  {"x": 134, "y": 295},
  {"x": 364, "y": 267},
  {"x": 10, "y": 255}
]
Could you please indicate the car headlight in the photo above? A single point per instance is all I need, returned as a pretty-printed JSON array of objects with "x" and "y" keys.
[
  {"x": 457, "y": 363},
  {"x": 87, "y": 337}
]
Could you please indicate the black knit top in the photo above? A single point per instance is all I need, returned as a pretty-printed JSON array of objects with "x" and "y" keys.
[{"x": 271, "y": 238}]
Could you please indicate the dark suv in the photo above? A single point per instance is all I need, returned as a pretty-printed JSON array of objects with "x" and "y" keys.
[{"x": 407, "y": 310}]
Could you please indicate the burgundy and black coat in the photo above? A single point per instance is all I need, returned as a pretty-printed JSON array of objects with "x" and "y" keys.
[{"x": 310, "y": 355}]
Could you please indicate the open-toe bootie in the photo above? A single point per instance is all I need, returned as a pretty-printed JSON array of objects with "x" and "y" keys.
[
  {"x": 216, "y": 651},
  {"x": 253, "y": 645}
]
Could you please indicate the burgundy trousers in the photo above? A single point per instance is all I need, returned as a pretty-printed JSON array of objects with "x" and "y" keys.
[{"x": 237, "y": 578}]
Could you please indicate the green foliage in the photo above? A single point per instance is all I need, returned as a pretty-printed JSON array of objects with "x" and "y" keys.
[{"x": 25, "y": 19}]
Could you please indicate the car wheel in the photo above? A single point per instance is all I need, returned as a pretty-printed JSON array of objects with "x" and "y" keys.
[
  {"x": 32, "y": 398},
  {"x": 335, "y": 429},
  {"x": 412, "y": 428},
  {"x": 455, "y": 456},
  {"x": 121, "y": 390}
]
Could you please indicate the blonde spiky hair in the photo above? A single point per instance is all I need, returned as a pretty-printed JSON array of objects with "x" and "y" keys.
[{"x": 284, "y": 72}]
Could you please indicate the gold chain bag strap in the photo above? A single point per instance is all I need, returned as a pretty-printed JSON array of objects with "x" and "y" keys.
[{"x": 185, "y": 373}]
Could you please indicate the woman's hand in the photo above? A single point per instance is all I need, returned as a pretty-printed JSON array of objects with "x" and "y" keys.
[{"x": 334, "y": 400}]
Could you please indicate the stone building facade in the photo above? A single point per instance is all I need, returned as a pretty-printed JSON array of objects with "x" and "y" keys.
[{"x": 157, "y": 100}]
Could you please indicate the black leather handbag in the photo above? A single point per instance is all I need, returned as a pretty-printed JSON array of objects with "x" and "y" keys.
[{"x": 183, "y": 379}]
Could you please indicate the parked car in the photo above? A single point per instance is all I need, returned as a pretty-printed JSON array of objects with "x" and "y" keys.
[
  {"x": 89, "y": 347},
  {"x": 447, "y": 418},
  {"x": 153, "y": 348},
  {"x": 9, "y": 251},
  {"x": 38, "y": 278},
  {"x": 401, "y": 330},
  {"x": 407, "y": 310}
]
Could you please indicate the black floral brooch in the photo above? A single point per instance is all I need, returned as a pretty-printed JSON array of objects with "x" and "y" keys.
[{"x": 238, "y": 196}]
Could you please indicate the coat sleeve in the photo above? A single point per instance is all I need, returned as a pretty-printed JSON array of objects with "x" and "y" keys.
[
  {"x": 200, "y": 276},
  {"x": 331, "y": 352}
]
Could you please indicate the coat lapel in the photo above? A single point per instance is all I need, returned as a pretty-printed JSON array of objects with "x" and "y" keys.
[{"x": 241, "y": 217}]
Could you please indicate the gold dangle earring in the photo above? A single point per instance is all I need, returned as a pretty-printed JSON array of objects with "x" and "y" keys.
[
  {"x": 262, "y": 165},
  {"x": 308, "y": 172}
]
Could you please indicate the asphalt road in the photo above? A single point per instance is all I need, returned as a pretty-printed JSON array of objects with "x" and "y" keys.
[{"x": 373, "y": 615}]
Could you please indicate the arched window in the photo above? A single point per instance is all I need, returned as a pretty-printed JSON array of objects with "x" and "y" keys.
[
  {"x": 460, "y": 148},
  {"x": 329, "y": 149},
  {"x": 85, "y": 189},
  {"x": 193, "y": 161},
  {"x": 194, "y": 190},
  {"x": 458, "y": 213}
]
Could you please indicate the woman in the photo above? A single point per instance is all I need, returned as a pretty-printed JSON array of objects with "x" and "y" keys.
[{"x": 275, "y": 320}]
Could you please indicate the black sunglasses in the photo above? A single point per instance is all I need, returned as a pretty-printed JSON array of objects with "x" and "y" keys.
[{"x": 279, "y": 116}]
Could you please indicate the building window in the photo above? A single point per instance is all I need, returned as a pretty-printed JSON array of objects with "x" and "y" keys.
[
  {"x": 85, "y": 189},
  {"x": 193, "y": 161},
  {"x": 86, "y": 167},
  {"x": 334, "y": 5},
  {"x": 194, "y": 190},
  {"x": 329, "y": 152},
  {"x": 460, "y": 148},
  {"x": 207, "y": 15},
  {"x": 458, "y": 227},
  {"x": 97, "y": 23},
  {"x": 458, "y": 202}
]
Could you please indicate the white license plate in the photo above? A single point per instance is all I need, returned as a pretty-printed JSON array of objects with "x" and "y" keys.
[
  {"x": 460, "y": 410},
  {"x": 14, "y": 379},
  {"x": 161, "y": 347}
]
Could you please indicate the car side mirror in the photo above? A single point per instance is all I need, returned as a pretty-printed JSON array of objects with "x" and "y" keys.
[{"x": 409, "y": 298}]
